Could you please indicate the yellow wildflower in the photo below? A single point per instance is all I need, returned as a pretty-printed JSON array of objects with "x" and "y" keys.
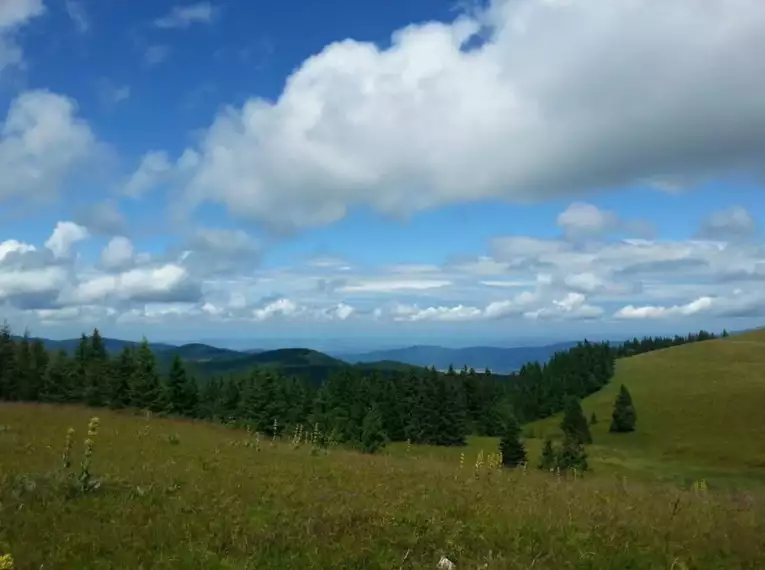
[{"x": 6, "y": 562}]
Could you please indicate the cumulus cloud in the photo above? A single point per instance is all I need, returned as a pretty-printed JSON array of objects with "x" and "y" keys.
[
  {"x": 582, "y": 220},
  {"x": 64, "y": 237},
  {"x": 427, "y": 121},
  {"x": 41, "y": 142},
  {"x": 118, "y": 253},
  {"x": 13, "y": 15},
  {"x": 153, "y": 169},
  {"x": 734, "y": 222},
  {"x": 102, "y": 218},
  {"x": 184, "y": 16}
]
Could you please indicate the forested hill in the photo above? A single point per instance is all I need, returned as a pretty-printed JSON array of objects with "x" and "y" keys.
[{"x": 419, "y": 405}]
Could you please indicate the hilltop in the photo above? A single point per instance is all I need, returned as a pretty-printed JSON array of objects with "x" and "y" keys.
[{"x": 699, "y": 406}]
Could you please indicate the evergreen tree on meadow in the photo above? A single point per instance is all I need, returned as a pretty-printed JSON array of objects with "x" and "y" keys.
[
  {"x": 373, "y": 437},
  {"x": 593, "y": 419},
  {"x": 145, "y": 389},
  {"x": 572, "y": 455},
  {"x": 511, "y": 446},
  {"x": 174, "y": 390},
  {"x": 549, "y": 459},
  {"x": 96, "y": 378},
  {"x": 8, "y": 374},
  {"x": 623, "y": 418},
  {"x": 123, "y": 371},
  {"x": 25, "y": 369},
  {"x": 574, "y": 424}
]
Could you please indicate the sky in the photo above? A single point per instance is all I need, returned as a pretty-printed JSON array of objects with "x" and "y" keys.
[{"x": 384, "y": 172}]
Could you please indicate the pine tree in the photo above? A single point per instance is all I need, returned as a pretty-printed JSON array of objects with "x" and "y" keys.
[
  {"x": 123, "y": 371},
  {"x": 623, "y": 418},
  {"x": 174, "y": 390},
  {"x": 593, "y": 419},
  {"x": 56, "y": 381},
  {"x": 373, "y": 437},
  {"x": 572, "y": 455},
  {"x": 8, "y": 372},
  {"x": 511, "y": 446},
  {"x": 574, "y": 424},
  {"x": 145, "y": 388},
  {"x": 549, "y": 458}
]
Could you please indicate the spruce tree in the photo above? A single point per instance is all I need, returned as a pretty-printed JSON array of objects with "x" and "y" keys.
[
  {"x": 373, "y": 436},
  {"x": 593, "y": 419},
  {"x": 145, "y": 388},
  {"x": 8, "y": 372},
  {"x": 623, "y": 418},
  {"x": 572, "y": 455},
  {"x": 574, "y": 424},
  {"x": 549, "y": 458},
  {"x": 174, "y": 390},
  {"x": 511, "y": 446}
]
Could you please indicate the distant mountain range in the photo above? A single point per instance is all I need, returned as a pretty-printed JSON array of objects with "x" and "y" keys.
[
  {"x": 205, "y": 359},
  {"x": 500, "y": 360}
]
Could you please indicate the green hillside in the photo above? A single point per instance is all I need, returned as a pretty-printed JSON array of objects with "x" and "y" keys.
[{"x": 700, "y": 411}]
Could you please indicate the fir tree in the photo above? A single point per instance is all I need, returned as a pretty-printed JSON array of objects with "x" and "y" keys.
[
  {"x": 593, "y": 419},
  {"x": 8, "y": 369},
  {"x": 145, "y": 388},
  {"x": 373, "y": 438},
  {"x": 511, "y": 446},
  {"x": 123, "y": 371},
  {"x": 174, "y": 390},
  {"x": 623, "y": 417},
  {"x": 572, "y": 455},
  {"x": 548, "y": 459},
  {"x": 574, "y": 424}
]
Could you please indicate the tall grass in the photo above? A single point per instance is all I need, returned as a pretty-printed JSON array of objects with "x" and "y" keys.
[{"x": 214, "y": 501}]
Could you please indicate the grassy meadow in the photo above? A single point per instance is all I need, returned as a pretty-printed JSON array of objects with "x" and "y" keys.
[
  {"x": 685, "y": 491},
  {"x": 700, "y": 409},
  {"x": 183, "y": 494}
]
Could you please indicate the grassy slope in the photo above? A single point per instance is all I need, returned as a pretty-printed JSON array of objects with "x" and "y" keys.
[
  {"x": 700, "y": 412},
  {"x": 210, "y": 502}
]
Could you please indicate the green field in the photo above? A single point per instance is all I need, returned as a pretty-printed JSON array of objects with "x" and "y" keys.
[
  {"x": 182, "y": 494},
  {"x": 189, "y": 494},
  {"x": 700, "y": 413}
]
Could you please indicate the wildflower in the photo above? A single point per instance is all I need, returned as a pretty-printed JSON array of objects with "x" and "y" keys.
[
  {"x": 67, "y": 455},
  {"x": 6, "y": 562},
  {"x": 462, "y": 460},
  {"x": 479, "y": 463}
]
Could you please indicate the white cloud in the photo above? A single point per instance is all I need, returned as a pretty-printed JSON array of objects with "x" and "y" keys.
[
  {"x": 733, "y": 222},
  {"x": 185, "y": 16},
  {"x": 13, "y": 246},
  {"x": 41, "y": 142},
  {"x": 118, "y": 253},
  {"x": 13, "y": 15},
  {"x": 582, "y": 219},
  {"x": 278, "y": 308},
  {"x": 153, "y": 169},
  {"x": 393, "y": 285},
  {"x": 64, "y": 236},
  {"x": 76, "y": 12},
  {"x": 155, "y": 284},
  {"x": 425, "y": 122}
]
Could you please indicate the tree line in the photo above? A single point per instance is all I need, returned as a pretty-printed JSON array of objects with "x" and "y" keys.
[{"x": 354, "y": 406}]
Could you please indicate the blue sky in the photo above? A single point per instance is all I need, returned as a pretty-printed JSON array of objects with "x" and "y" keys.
[{"x": 381, "y": 172}]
